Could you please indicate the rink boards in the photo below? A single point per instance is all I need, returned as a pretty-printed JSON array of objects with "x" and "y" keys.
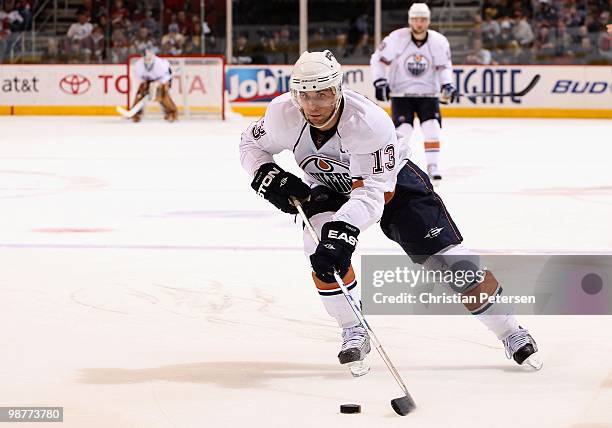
[{"x": 94, "y": 89}]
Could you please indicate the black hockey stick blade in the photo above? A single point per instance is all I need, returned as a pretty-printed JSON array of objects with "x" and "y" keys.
[{"x": 403, "y": 405}]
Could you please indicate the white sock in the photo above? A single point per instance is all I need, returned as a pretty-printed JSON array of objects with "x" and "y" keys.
[
  {"x": 501, "y": 325},
  {"x": 432, "y": 152},
  {"x": 337, "y": 307}
]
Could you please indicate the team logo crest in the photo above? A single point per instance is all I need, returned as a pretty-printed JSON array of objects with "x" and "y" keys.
[
  {"x": 258, "y": 130},
  {"x": 329, "y": 172},
  {"x": 417, "y": 64}
]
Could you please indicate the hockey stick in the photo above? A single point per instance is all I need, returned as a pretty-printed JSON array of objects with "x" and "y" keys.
[
  {"x": 520, "y": 93},
  {"x": 402, "y": 405},
  {"x": 128, "y": 114}
]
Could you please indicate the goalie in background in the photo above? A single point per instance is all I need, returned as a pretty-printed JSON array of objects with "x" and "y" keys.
[{"x": 155, "y": 75}]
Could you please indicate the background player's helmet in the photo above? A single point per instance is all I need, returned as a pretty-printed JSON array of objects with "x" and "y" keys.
[
  {"x": 149, "y": 57},
  {"x": 419, "y": 10},
  {"x": 315, "y": 71}
]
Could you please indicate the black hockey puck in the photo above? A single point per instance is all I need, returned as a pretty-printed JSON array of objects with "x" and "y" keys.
[{"x": 350, "y": 408}]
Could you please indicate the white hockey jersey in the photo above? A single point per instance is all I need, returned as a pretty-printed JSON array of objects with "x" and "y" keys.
[
  {"x": 413, "y": 69},
  {"x": 160, "y": 72},
  {"x": 362, "y": 159}
]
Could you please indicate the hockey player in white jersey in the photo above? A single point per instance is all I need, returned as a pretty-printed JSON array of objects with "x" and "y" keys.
[
  {"x": 356, "y": 173},
  {"x": 152, "y": 69},
  {"x": 419, "y": 63}
]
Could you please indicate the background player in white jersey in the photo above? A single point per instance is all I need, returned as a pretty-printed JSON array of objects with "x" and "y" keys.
[
  {"x": 420, "y": 64},
  {"x": 357, "y": 173},
  {"x": 152, "y": 69}
]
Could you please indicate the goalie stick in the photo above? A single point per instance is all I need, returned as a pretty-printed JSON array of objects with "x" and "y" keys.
[
  {"x": 401, "y": 405},
  {"x": 128, "y": 114}
]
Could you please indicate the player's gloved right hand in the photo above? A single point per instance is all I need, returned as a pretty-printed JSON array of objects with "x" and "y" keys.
[
  {"x": 274, "y": 184},
  {"x": 448, "y": 94},
  {"x": 338, "y": 241},
  {"x": 382, "y": 89}
]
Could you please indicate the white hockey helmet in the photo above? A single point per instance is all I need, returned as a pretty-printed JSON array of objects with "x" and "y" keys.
[
  {"x": 419, "y": 10},
  {"x": 316, "y": 71}
]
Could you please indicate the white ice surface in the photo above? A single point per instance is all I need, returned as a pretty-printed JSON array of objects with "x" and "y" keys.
[{"x": 144, "y": 284}]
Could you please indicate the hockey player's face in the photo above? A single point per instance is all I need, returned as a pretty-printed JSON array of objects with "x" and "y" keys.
[
  {"x": 318, "y": 106},
  {"x": 419, "y": 25}
]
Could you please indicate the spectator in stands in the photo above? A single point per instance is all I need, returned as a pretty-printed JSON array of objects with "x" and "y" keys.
[
  {"x": 574, "y": 18},
  {"x": 545, "y": 44},
  {"x": 581, "y": 32},
  {"x": 193, "y": 43},
  {"x": 185, "y": 25},
  {"x": 11, "y": 18},
  {"x": 603, "y": 45},
  {"x": 270, "y": 52},
  {"x": 77, "y": 32},
  {"x": 103, "y": 23},
  {"x": 545, "y": 13},
  {"x": 80, "y": 29},
  {"x": 4, "y": 32},
  {"x": 24, "y": 9},
  {"x": 598, "y": 23},
  {"x": 505, "y": 36},
  {"x": 479, "y": 55},
  {"x": 362, "y": 50},
  {"x": 259, "y": 55},
  {"x": 151, "y": 24},
  {"x": 141, "y": 41},
  {"x": 587, "y": 54},
  {"x": 490, "y": 30},
  {"x": 120, "y": 45},
  {"x": 563, "y": 41},
  {"x": 172, "y": 43},
  {"x": 522, "y": 31},
  {"x": 340, "y": 49},
  {"x": 514, "y": 54},
  {"x": 93, "y": 47},
  {"x": 284, "y": 45},
  {"x": 242, "y": 51},
  {"x": 119, "y": 13}
]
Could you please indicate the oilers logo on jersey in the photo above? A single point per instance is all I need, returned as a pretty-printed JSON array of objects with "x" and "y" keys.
[
  {"x": 329, "y": 172},
  {"x": 416, "y": 64}
]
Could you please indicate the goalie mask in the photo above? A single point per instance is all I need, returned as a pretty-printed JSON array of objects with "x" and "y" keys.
[
  {"x": 149, "y": 58},
  {"x": 316, "y": 82}
]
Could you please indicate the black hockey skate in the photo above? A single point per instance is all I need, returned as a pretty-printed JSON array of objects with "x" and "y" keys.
[
  {"x": 521, "y": 347},
  {"x": 355, "y": 347}
]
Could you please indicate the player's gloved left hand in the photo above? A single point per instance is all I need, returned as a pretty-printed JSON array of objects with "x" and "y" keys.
[
  {"x": 382, "y": 90},
  {"x": 338, "y": 241},
  {"x": 448, "y": 94},
  {"x": 276, "y": 185}
]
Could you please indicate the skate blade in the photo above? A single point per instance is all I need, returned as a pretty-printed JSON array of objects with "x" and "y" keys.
[
  {"x": 358, "y": 368},
  {"x": 534, "y": 361}
]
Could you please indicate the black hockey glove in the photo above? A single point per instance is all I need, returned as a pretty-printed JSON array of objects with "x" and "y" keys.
[
  {"x": 448, "y": 94},
  {"x": 338, "y": 241},
  {"x": 382, "y": 89},
  {"x": 274, "y": 184}
]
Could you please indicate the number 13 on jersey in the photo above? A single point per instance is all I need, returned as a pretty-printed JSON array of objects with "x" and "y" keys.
[{"x": 388, "y": 155}]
